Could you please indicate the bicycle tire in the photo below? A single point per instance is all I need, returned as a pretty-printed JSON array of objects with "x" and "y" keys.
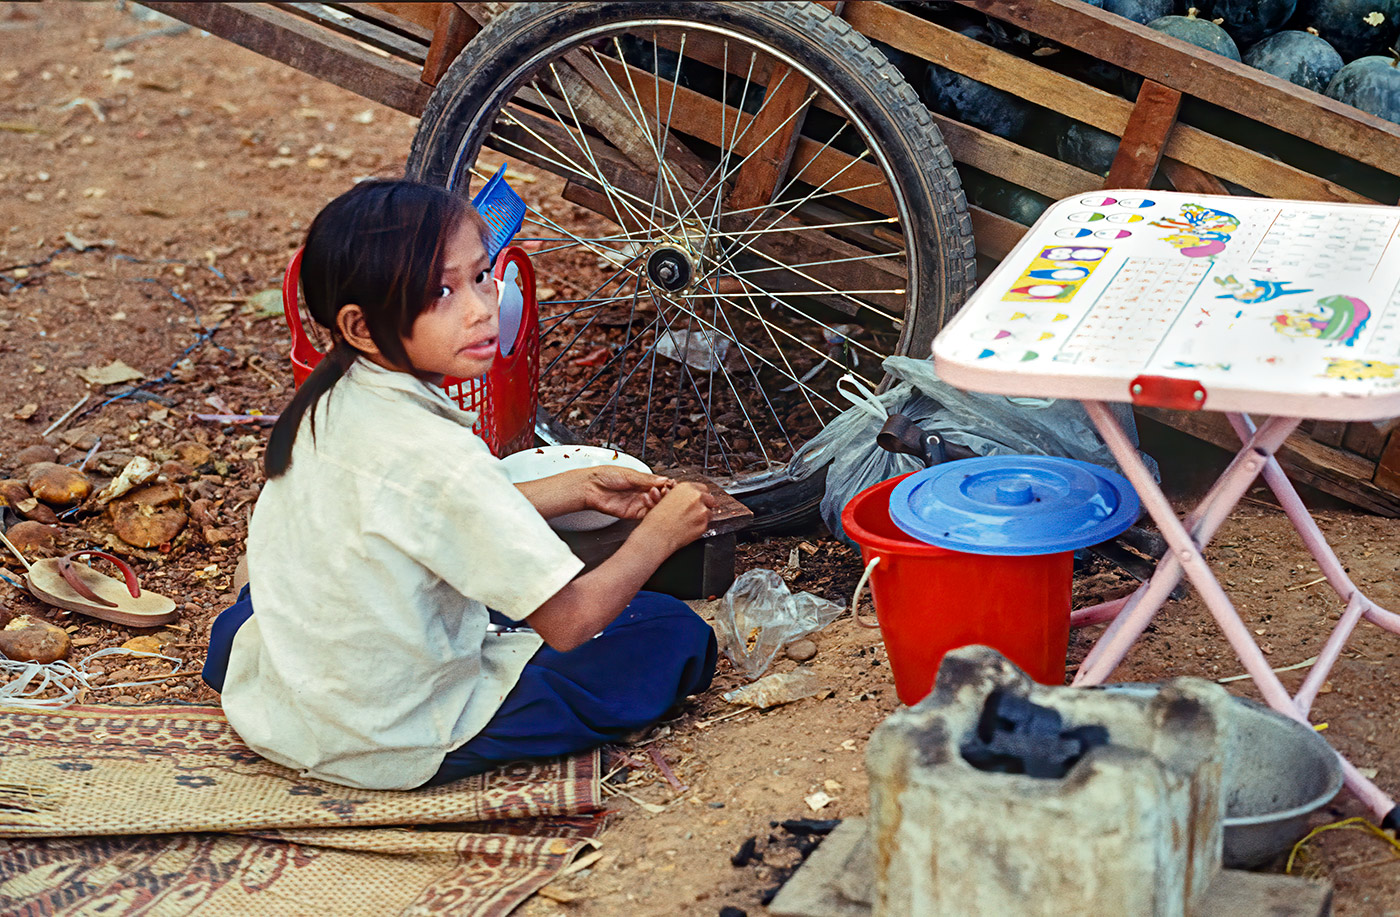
[{"x": 514, "y": 62}]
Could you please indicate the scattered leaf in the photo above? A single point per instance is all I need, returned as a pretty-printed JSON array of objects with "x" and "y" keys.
[
  {"x": 25, "y": 412},
  {"x": 146, "y": 643},
  {"x": 818, "y": 800},
  {"x": 264, "y": 304},
  {"x": 82, "y": 245},
  {"x": 111, "y": 374}
]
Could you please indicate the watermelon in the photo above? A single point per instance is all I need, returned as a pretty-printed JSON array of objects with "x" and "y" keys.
[
  {"x": 1247, "y": 21},
  {"x": 1087, "y": 147},
  {"x": 1000, "y": 196},
  {"x": 1371, "y": 84},
  {"x": 1299, "y": 57},
  {"x": 982, "y": 106},
  {"x": 1143, "y": 11},
  {"x": 1356, "y": 28},
  {"x": 1200, "y": 32}
]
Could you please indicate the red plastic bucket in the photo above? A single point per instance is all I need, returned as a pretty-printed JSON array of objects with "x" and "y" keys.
[{"x": 930, "y": 600}]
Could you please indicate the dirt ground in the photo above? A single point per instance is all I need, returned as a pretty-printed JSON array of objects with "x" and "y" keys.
[{"x": 151, "y": 190}]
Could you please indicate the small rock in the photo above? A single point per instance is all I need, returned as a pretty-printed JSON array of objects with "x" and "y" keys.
[
  {"x": 13, "y": 492},
  {"x": 57, "y": 485},
  {"x": 33, "y": 539},
  {"x": 149, "y": 516},
  {"x": 39, "y": 452},
  {"x": 27, "y": 639},
  {"x": 35, "y": 511},
  {"x": 193, "y": 454},
  {"x": 176, "y": 470},
  {"x": 214, "y": 536},
  {"x": 202, "y": 512},
  {"x": 205, "y": 489},
  {"x": 801, "y": 650}
]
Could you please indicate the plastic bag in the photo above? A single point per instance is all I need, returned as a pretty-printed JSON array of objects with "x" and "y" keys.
[
  {"x": 775, "y": 689},
  {"x": 759, "y": 616},
  {"x": 986, "y": 424},
  {"x": 847, "y": 445},
  {"x": 999, "y": 425}
]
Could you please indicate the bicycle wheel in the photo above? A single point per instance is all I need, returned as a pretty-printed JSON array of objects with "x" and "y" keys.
[{"x": 750, "y": 203}]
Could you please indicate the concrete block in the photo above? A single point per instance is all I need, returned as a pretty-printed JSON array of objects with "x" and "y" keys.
[
  {"x": 1134, "y": 827},
  {"x": 838, "y": 878}
]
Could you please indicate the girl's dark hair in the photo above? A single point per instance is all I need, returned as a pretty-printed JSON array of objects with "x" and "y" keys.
[{"x": 379, "y": 246}]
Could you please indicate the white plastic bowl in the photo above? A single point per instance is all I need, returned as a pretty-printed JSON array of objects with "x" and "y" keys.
[{"x": 533, "y": 464}]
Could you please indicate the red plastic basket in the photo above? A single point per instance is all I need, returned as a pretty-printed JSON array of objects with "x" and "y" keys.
[{"x": 504, "y": 398}]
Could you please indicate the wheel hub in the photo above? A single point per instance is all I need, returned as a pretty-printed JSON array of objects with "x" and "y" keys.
[{"x": 670, "y": 268}]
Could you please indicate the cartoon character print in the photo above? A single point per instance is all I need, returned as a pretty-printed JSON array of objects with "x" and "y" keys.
[
  {"x": 1199, "y": 232},
  {"x": 1332, "y": 318},
  {"x": 1358, "y": 370},
  {"x": 1253, "y": 290}
]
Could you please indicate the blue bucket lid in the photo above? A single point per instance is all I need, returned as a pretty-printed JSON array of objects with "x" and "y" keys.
[{"x": 1014, "y": 504}]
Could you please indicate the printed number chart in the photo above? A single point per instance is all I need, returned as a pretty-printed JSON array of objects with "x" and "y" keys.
[{"x": 1279, "y": 307}]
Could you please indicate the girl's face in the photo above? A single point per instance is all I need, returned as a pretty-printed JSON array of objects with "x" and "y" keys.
[{"x": 457, "y": 334}]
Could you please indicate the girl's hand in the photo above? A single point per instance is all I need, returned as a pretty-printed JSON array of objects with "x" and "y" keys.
[
  {"x": 682, "y": 516},
  {"x": 623, "y": 492}
]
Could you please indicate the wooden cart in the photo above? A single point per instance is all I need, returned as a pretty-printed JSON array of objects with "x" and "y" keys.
[{"x": 1199, "y": 123}]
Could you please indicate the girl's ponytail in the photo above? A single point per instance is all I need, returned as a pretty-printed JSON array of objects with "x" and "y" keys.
[{"x": 278, "y": 456}]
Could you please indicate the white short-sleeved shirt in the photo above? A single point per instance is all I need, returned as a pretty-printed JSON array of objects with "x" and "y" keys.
[{"x": 372, "y": 561}]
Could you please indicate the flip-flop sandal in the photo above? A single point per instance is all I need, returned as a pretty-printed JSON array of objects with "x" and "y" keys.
[{"x": 75, "y": 587}]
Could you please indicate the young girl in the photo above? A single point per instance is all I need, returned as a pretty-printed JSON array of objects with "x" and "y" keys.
[{"x": 387, "y": 539}]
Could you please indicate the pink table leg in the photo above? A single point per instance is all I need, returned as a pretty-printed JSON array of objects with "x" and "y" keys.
[
  {"x": 1254, "y": 458},
  {"x": 1125, "y": 629}
]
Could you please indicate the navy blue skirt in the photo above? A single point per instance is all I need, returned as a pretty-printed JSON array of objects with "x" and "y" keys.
[{"x": 651, "y": 656}]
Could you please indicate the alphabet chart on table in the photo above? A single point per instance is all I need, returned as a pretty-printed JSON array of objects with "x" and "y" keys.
[{"x": 1263, "y": 305}]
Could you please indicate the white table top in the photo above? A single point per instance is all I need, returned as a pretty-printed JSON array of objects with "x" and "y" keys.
[{"x": 1266, "y": 306}]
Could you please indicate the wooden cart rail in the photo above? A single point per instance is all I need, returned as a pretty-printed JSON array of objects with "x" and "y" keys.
[{"x": 394, "y": 53}]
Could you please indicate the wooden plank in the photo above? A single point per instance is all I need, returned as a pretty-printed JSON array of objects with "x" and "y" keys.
[
  {"x": 531, "y": 142},
  {"x": 1184, "y": 67},
  {"x": 1083, "y": 102},
  {"x": 996, "y": 235},
  {"x": 598, "y": 202},
  {"x": 778, "y": 123},
  {"x": 724, "y": 126},
  {"x": 424, "y": 15},
  {"x": 362, "y": 30},
  {"x": 393, "y": 22},
  {"x": 1145, "y": 137},
  {"x": 1388, "y": 468},
  {"x": 710, "y": 49},
  {"x": 283, "y": 37},
  {"x": 615, "y": 117},
  {"x": 1332, "y": 471},
  {"x": 1327, "y": 432},
  {"x": 454, "y": 29},
  {"x": 1190, "y": 179},
  {"x": 1253, "y": 170},
  {"x": 1013, "y": 162},
  {"x": 1365, "y": 439}
]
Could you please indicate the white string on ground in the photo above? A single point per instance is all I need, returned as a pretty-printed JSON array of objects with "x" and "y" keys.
[{"x": 31, "y": 684}]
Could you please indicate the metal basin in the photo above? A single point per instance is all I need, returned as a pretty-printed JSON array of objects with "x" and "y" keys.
[{"x": 1277, "y": 772}]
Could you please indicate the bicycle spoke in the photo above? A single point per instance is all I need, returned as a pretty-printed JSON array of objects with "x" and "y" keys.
[{"x": 648, "y": 276}]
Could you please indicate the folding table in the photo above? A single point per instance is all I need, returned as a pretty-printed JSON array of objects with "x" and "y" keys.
[{"x": 1288, "y": 310}]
